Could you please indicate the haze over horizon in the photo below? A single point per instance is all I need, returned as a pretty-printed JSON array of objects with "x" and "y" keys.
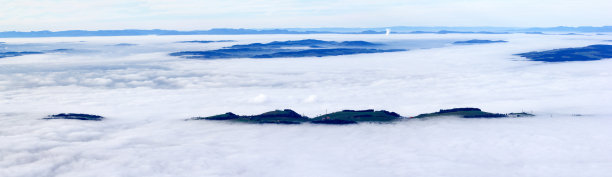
[{"x": 57, "y": 15}]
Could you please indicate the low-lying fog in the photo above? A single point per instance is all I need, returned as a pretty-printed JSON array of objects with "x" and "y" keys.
[{"x": 146, "y": 95}]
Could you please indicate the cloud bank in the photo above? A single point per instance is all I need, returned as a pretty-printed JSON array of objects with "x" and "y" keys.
[{"x": 146, "y": 95}]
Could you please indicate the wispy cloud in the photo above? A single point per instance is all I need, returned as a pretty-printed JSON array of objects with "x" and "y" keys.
[{"x": 192, "y": 14}]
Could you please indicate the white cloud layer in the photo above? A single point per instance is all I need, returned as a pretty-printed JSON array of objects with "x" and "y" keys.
[
  {"x": 147, "y": 94},
  {"x": 540, "y": 146}
]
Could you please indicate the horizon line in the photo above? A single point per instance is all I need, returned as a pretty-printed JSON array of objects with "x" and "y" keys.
[{"x": 289, "y": 28}]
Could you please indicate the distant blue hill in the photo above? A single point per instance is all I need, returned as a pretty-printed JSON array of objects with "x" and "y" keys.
[
  {"x": 124, "y": 44},
  {"x": 478, "y": 41},
  {"x": 200, "y": 41},
  {"x": 7, "y": 54},
  {"x": 584, "y": 29},
  {"x": 307, "y": 43},
  {"x": 452, "y": 30},
  {"x": 241, "y": 31},
  {"x": 322, "y": 52},
  {"x": 278, "y": 49},
  {"x": 15, "y": 54},
  {"x": 588, "y": 53},
  {"x": 535, "y": 32}
]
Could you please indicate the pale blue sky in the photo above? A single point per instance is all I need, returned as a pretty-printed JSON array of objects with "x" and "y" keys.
[{"x": 26, "y": 15}]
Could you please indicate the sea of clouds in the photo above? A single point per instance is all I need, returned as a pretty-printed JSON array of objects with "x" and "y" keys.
[{"x": 146, "y": 95}]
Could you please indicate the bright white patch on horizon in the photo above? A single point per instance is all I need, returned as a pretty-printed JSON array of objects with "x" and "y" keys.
[
  {"x": 259, "y": 99},
  {"x": 310, "y": 99}
]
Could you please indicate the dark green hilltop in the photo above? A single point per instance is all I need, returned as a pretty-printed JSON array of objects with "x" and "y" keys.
[
  {"x": 286, "y": 116},
  {"x": 289, "y": 116},
  {"x": 352, "y": 117},
  {"x": 76, "y": 116},
  {"x": 471, "y": 113}
]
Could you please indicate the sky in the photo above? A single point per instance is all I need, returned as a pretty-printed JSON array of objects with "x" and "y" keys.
[{"x": 29, "y": 15}]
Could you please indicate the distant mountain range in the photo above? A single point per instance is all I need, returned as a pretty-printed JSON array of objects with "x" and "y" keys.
[
  {"x": 286, "y": 49},
  {"x": 241, "y": 31}
]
